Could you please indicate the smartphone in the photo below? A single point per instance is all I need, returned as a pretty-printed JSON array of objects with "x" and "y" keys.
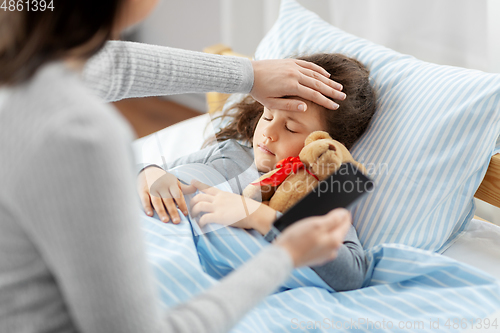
[{"x": 341, "y": 189}]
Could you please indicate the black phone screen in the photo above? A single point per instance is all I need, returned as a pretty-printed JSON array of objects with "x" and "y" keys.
[{"x": 341, "y": 189}]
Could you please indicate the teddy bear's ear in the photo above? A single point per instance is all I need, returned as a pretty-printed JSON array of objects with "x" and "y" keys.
[
  {"x": 332, "y": 145},
  {"x": 341, "y": 150},
  {"x": 344, "y": 154},
  {"x": 317, "y": 135}
]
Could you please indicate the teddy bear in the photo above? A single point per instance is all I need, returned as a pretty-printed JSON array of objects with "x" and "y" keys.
[{"x": 294, "y": 177}]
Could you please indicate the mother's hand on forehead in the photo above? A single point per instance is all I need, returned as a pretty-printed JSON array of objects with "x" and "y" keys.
[{"x": 274, "y": 79}]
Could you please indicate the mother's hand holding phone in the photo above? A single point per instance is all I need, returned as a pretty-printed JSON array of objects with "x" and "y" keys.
[{"x": 315, "y": 240}]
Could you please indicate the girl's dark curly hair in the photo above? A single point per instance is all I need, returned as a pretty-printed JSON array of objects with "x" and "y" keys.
[{"x": 346, "y": 124}]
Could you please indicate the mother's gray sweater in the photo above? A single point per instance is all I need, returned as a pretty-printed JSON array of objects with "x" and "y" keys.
[{"x": 72, "y": 256}]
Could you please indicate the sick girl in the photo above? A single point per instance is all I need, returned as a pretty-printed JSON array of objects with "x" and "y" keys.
[{"x": 251, "y": 144}]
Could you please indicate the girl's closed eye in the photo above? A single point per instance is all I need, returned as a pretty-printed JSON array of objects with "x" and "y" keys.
[{"x": 289, "y": 129}]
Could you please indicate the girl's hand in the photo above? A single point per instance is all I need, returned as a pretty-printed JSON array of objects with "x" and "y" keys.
[
  {"x": 162, "y": 190},
  {"x": 274, "y": 79},
  {"x": 230, "y": 209},
  {"x": 315, "y": 240}
]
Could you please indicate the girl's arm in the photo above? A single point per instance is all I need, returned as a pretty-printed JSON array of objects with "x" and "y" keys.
[
  {"x": 347, "y": 271},
  {"x": 232, "y": 209},
  {"x": 150, "y": 173}
]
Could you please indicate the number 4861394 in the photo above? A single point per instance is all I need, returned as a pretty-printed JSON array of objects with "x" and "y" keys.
[{"x": 28, "y": 5}]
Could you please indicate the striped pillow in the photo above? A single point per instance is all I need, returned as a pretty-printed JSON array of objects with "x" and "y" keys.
[{"x": 429, "y": 143}]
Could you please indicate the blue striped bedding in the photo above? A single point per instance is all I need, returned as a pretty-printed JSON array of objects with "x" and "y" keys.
[
  {"x": 405, "y": 289},
  {"x": 403, "y": 285}
]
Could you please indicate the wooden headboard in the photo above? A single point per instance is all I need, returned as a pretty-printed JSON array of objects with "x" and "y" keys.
[{"x": 488, "y": 191}]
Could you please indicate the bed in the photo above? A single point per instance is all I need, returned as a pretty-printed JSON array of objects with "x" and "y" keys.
[
  {"x": 478, "y": 246},
  {"x": 433, "y": 266}
]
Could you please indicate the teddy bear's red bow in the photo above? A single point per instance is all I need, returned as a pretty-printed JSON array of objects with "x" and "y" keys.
[{"x": 287, "y": 166}]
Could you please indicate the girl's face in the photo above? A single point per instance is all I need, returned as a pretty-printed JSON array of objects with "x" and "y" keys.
[{"x": 281, "y": 134}]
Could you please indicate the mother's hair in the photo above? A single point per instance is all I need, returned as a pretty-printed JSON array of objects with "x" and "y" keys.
[{"x": 30, "y": 39}]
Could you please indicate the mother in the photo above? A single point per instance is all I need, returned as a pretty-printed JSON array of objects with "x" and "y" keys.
[{"x": 71, "y": 253}]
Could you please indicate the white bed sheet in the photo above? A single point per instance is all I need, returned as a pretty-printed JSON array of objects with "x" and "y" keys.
[
  {"x": 478, "y": 245},
  {"x": 174, "y": 141}
]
